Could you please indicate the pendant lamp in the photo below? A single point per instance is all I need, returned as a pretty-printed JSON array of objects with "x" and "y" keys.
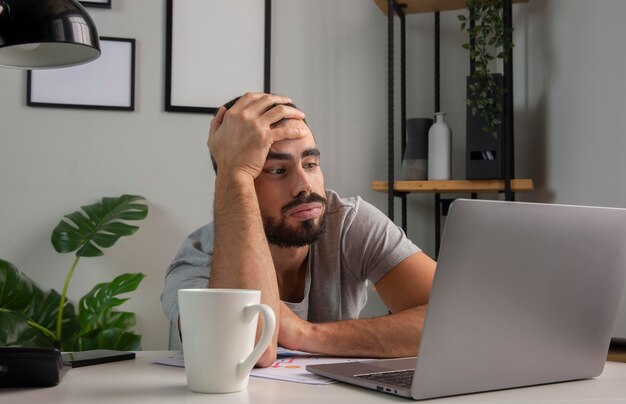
[{"x": 40, "y": 34}]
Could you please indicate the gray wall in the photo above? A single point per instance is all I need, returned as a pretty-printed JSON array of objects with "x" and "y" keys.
[
  {"x": 330, "y": 57},
  {"x": 575, "y": 130}
]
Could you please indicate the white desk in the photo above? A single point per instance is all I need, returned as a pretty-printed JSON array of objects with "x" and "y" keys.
[{"x": 141, "y": 382}]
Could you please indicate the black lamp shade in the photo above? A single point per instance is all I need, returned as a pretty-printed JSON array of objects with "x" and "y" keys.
[{"x": 38, "y": 34}]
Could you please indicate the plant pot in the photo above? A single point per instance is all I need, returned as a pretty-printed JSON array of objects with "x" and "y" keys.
[
  {"x": 415, "y": 159},
  {"x": 483, "y": 154}
]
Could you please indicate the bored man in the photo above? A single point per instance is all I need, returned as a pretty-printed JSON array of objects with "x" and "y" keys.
[{"x": 310, "y": 252}]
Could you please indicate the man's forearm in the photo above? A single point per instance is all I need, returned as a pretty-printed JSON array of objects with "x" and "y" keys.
[
  {"x": 241, "y": 256},
  {"x": 394, "y": 335}
]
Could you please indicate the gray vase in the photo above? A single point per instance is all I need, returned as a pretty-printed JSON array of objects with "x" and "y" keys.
[{"x": 415, "y": 159}]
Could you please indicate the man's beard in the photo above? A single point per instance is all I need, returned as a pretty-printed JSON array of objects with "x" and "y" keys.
[{"x": 307, "y": 232}]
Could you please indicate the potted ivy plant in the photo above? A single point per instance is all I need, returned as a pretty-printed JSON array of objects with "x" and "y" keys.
[
  {"x": 489, "y": 40},
  {"x": 31, "y": 316}
]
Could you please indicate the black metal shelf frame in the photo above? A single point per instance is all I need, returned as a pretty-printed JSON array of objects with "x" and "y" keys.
[{"x": 508, "y": 151}]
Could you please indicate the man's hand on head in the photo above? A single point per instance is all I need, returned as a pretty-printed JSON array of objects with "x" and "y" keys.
[{"x": 240, "y": 137}]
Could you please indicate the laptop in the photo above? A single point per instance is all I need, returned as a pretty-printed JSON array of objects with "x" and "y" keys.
[{"x": 524, "y": 294}]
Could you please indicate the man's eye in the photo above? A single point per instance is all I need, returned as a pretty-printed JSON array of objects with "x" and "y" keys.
[
  {"x": 275, "y": 171},
  {"x": 311, "y": 165}
]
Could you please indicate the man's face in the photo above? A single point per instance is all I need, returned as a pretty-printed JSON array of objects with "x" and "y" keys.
[{"x": 291, "y": 193}]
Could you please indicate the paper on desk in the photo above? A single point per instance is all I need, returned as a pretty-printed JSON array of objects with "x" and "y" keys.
[{"x": 290, "y": 366}]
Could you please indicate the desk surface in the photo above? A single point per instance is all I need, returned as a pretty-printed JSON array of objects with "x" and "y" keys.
[{"x": 141, "y": 381}]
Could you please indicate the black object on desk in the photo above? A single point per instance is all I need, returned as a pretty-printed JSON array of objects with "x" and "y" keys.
[
  {"x": 44, "y": 367},
  {"x": 31, "y": 367},
  {"x": 95, "y": 357}
]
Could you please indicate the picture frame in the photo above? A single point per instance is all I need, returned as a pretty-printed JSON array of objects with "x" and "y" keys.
[
  {"x": 202, "y": 69},
  {"x": 96, "y": 3},
  {"x": 107, "y": 83}
]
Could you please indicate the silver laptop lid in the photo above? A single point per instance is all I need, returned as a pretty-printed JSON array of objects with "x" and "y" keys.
[{"x": 524, "y": 294}]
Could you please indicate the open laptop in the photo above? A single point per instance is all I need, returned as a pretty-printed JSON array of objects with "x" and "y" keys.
[{"x": 524, "y": 294}]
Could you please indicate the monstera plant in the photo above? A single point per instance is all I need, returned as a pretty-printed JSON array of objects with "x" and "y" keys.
[{"x": 31, "y": 316}]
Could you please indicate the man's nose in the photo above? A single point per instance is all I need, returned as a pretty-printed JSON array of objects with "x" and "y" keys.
[{"x": 302, "y": 182}]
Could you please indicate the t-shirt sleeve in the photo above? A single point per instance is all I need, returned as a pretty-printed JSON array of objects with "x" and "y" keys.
[
  {"x": 374, "y": 243},
  {"x": 190, "y": 269}
]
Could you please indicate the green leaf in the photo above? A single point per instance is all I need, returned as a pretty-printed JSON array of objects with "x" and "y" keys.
[
  {"x": 128, "y": 341},
  {"x": 68, "y": 238},
  {"x": 492, "y": 41},
  {"x": 125, "y": 283},
  {"x": 119, "y": 228},
  {"x": 81, "y": 220},
  {"x": 27, "y": 313},
  {"x": 105, "y": 239},
  {"x": 89, "y": 250},
  {"x": 98, "y": 226},
  {"x": 15, "y": 329},
  {"x": 44, "y": 310},
  {"x": 122, "y": 319},
  {"x": 113, "y": 338},
  {"x": 119, "y": 339},
  {"x": 133, "y": 211},
  {"x": 15, "y": 288},
  {"x": 95, "y": 308}
]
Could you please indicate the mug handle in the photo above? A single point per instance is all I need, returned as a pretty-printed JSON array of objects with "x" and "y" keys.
[{"x": 269, "y": 324}]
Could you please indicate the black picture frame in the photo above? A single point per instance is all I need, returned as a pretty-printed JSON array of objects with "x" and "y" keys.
[
  {"x": 96, "y": 3},
  {"x": 107, "y": 83},
  {"x": 186, "y": 91}
]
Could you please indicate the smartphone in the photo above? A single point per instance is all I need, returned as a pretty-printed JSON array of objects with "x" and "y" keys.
[{"x": 95, "y": 357}]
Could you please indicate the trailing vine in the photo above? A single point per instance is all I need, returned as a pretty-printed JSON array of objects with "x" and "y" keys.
[{"x": 489, "y": 40}]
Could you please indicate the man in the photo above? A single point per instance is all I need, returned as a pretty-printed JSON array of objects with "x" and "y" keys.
[{"x": 310, "y": 252}]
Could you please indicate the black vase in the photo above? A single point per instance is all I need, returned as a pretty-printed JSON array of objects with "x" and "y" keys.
[
  {"x": 415, "y": 159},
  {"x": 483, "y": 151}
]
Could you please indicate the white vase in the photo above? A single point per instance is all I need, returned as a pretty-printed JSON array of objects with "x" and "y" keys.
[{"x": 439, "y": 147}]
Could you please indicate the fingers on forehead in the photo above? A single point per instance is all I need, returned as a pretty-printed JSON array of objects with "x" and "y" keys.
[
  {"x": 271, "y": 108},
  {"x": 280, "y": 112},
  {"x": 218, "y": 118},
  {"x": 260, "y": 100}
]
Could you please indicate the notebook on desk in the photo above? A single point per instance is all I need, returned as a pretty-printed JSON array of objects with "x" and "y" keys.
[{"x": 524, "y": 294}]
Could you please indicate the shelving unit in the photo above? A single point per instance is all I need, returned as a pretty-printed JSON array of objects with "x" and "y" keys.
[
  {"x": 454, "y": 186},
  {"x": 508, "y": 185}
]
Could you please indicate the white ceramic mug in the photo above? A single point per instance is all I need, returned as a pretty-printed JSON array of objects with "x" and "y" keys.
[{"x": 218, "y": 328}]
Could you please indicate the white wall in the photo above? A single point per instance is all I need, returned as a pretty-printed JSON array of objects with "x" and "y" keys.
[
  {"x": 330, "y": 57},
  {"x": 52, "y": 161},
  {"x": 577, "y": 93},
  {"x": 576, "y": 127}
]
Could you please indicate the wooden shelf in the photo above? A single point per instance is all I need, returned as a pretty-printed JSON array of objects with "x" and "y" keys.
[
  {"x": 451, "y": 186},
  {"x": 428, "y": 6}
]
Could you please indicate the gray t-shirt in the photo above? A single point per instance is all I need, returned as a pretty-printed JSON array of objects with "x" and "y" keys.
[{"x": 360, "y": 244}]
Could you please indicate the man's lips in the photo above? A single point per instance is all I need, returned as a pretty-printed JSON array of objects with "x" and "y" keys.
[{"x": 306, "y": 211}]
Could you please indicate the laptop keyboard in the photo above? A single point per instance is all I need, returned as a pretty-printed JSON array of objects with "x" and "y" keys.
[{"x": 401, "y": 378}]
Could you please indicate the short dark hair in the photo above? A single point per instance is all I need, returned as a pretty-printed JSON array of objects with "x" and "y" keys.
[{"x": 232, "y": 102}]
